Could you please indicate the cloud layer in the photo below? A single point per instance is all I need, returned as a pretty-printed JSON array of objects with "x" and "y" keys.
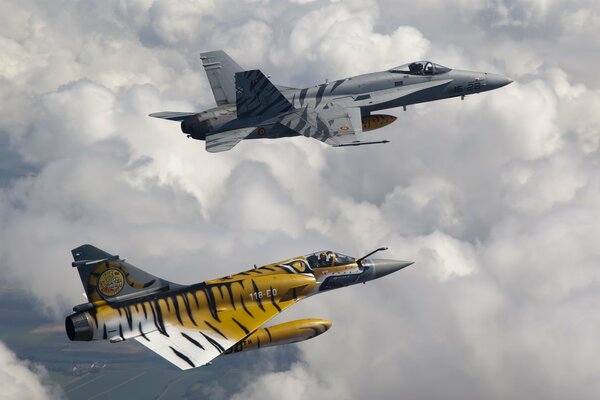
[
  {"x": 21, "y": 380},
  {"x": 495, "y": 197}
]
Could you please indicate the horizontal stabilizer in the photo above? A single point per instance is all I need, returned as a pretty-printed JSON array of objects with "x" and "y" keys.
[
  {"x": 172, "y": 115},
  {"x": 224, "y": 141},
  {"x": 360, "y": 143}
]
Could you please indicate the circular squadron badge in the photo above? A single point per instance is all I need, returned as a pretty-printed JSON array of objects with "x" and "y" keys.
[{"x": 110, "y": 282}]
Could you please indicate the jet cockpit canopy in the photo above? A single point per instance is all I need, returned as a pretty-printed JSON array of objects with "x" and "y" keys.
[
  {"x": 328, "y": 258},
  {"x": 421, "y": 68}
]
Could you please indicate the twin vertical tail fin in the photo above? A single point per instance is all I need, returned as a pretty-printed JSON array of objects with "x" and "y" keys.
[
  {"x": 106, "y": 277},
  {"x": 230, "y": 84},
  {"x": 220, "y": 70},
  {"x": 257, "y": 96}
]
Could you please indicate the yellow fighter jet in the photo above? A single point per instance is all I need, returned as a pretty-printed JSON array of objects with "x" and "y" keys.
[{"x": 190, "y": 325}]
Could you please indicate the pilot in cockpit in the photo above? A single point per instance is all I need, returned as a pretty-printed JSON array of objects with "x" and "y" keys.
[
  {"x": 331, "y": 258},
  {"x": 322, "y": 259},
  {"x": 327, "y": 259},
  {"x": 428, "y": 69},
  {"x": 415, "y": 68}
]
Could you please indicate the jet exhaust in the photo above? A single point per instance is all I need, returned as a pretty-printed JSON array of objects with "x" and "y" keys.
[{"x": 79, "y": 327}]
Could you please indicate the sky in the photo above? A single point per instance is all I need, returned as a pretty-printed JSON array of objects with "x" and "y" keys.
[{"x": 496, "y": 198}]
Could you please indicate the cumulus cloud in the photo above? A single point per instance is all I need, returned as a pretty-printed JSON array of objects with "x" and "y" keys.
[
  {"x": 494, "y": 197},
  {"x": 23, "y": 380}
]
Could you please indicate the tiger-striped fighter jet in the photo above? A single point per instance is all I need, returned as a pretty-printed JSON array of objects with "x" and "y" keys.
[
  {"x": 190, "y": 325},
  {"x": 249, "y": 106}
]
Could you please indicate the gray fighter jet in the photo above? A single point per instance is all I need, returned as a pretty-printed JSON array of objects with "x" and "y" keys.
[{"x": 249, "y": 106}]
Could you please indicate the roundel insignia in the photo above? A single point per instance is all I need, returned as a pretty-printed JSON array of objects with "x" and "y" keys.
[
  {"x": 262, "y": 131},
  {"x": 111, "y": 282}
]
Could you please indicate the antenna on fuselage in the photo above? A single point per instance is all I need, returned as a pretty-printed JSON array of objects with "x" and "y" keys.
[{"x": 360, "y": 260}]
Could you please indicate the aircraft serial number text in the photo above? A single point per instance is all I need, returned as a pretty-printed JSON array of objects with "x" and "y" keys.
[
  {"x": 260, "y": 294},
  {"x": 468, "y": 88}
]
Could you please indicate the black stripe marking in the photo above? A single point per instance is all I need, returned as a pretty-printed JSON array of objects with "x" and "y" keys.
[
  {"x": 287, "y": 271},
  {"x": 230, "y": 291},
  {"x": 269, "y": 333},
  {"x": 196, "y": 298},
  {"x": 256, "y": 298},
  {"x": 176, "y": 306},
  {"x": 213, "y": 342},
  {"x": 145, "y": 311},
  {"x": 258, "y": 341},
  {"x": 159, "y": 318},
  {"x": 183, "y": 357},
  {"x": 142, "y": 332},
  {"x": 336, "y": 84},
  {"x": 121, "y": 332},
  {"x": 244, "y": 305},
  {"x": 210, "y": 299},
  {"x": 303, "y": 96},
  {"x": 191, "y": 339},
  {"x": 242, "y": 327},
  {"x": 320, "y": 93},
  {"x": 129, "y": 317},
  {"x": 154, "y": 316},
  {"x": 188, "y": 309},
  {"x": 273, "y": 300},
  {"x": 149, "y": 283},
  {"x": 214, "y": 328},
  {"x": 104, "y": 334}
]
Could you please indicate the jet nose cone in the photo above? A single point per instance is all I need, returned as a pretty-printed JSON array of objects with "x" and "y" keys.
[
  {"x": 495, "y": 81},
  {"x": 386, "y": 267}
]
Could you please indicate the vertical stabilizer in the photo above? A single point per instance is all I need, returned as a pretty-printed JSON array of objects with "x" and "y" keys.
[
  {"x": 257, "y": 96},
  {"x": 107, "y": 277},
  {"x": 220, "y": 70}
]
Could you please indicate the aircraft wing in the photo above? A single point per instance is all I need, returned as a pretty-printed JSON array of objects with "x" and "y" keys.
[
  {"x": 334, "y": 124},
  {"x": 339, "y": 122},
  {"x": 224, "y": 317},
  {"x": 186, "y": 348}
]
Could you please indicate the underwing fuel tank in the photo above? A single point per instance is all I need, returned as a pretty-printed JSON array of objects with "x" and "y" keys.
[
  {"x": 372, "y": 122},
  {"x": 286, "y": 333}
]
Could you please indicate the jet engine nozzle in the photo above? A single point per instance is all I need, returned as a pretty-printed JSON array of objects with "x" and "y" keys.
[
  {"x": 79, "y": 327},
  {"x": 196, "y": 128},
  {"x": 372, "y": 122}
]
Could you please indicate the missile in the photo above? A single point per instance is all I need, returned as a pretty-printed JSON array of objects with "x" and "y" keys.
[
  {"x": 372, "y": 122},
  {"x": 286, "y": 333}
]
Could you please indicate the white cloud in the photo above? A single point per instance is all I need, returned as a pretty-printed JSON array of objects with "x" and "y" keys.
[
  {"x": 23, "y": 380},
  {"x": 495, "y": 198}
]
